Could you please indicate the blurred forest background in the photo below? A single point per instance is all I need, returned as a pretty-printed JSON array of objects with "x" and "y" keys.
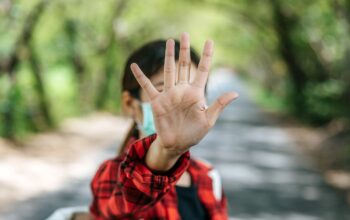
[{"x": 64, "y": 58}]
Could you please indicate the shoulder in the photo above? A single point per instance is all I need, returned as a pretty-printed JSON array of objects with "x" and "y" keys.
[
  {"x": 203, "y": 172},
  {"x": 200, "y": 165}
]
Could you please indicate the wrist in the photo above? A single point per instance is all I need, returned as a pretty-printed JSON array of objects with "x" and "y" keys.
[{"x": 159, "y": 158}]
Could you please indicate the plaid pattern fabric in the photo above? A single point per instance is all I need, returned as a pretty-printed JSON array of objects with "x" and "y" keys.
[{"x": 124, "y": 188}]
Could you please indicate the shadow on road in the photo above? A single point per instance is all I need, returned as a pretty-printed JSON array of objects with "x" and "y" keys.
[{"x": 264, "y": 175}]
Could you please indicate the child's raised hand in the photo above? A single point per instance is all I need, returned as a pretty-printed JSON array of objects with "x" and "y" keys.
[{"x": 181, "y": 115}]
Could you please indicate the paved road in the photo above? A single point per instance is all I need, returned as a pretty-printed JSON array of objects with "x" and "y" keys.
[
  {"x": 75, "y": 191},
  {"x": 263, "y": 174}
]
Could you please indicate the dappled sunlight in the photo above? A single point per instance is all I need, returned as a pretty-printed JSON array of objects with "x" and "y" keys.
[{"x": 70, "y": 98}]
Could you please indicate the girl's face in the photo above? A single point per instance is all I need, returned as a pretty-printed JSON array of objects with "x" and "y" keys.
[{"x": 132, "y": 107}]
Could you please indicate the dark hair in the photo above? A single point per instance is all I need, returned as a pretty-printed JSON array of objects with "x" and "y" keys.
[{"x": 150, "y": 58}]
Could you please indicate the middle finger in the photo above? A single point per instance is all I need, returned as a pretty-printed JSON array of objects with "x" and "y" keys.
[{"x": 184, "y": 59}]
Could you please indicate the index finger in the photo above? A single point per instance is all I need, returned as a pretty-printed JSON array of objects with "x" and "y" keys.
[{"x": 144, "y": 82}]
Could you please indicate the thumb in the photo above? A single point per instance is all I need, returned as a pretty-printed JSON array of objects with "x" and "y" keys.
[{"x": 218, "y": 106}]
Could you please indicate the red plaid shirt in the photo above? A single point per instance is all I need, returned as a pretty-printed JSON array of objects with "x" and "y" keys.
[{"x": 124, "y": 188}]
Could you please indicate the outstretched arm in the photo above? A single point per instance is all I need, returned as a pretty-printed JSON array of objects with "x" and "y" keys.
[{"x": 125, "y": 187}]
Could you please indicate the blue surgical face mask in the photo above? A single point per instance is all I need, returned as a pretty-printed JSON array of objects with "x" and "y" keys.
[{"x": 147, "y": 127}]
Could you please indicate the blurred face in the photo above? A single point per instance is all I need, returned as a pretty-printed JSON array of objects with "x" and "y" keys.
[{"x": 132, "y": 106}]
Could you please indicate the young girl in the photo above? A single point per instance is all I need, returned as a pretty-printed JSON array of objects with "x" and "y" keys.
[{"x": 154, "y": 177}]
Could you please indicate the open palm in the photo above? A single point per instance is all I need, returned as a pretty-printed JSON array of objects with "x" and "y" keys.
[{"x": 180, "y": 113}]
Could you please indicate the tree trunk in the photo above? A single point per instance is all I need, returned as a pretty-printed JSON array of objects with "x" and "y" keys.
[
  {"x": 343, "y": 12},
  {"x": 77, "y": 62},
  {"x": 39, "y": 86},
  {"x": 109, "y": 67},
  {"x": 297, "y": 74}
]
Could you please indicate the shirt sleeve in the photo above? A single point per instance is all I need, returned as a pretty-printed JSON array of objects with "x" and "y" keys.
[{"x": 125, "y": 187}]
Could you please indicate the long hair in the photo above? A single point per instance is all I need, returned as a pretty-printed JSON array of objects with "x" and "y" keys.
[{"x": 150, "y": 58}]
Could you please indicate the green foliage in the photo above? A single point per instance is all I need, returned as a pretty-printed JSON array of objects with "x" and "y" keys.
[
  {"x": 81, "y": 48},
  {"x": 324, "y": 100}
]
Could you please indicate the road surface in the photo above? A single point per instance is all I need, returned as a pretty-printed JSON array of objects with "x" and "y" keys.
[{"x": 263, "y": 174}]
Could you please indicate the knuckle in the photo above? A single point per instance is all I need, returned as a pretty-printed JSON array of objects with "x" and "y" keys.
[
  {"x": 203, "y": 68},
  {"x": 221, "y": 102},
  {"x": 207, "y": 54},
  {"x": 185, "y": 47},
  {"x": 168, "y": 69},
  {"x": 146, "y": 85},
  {"x": 169, "y": 54}
]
